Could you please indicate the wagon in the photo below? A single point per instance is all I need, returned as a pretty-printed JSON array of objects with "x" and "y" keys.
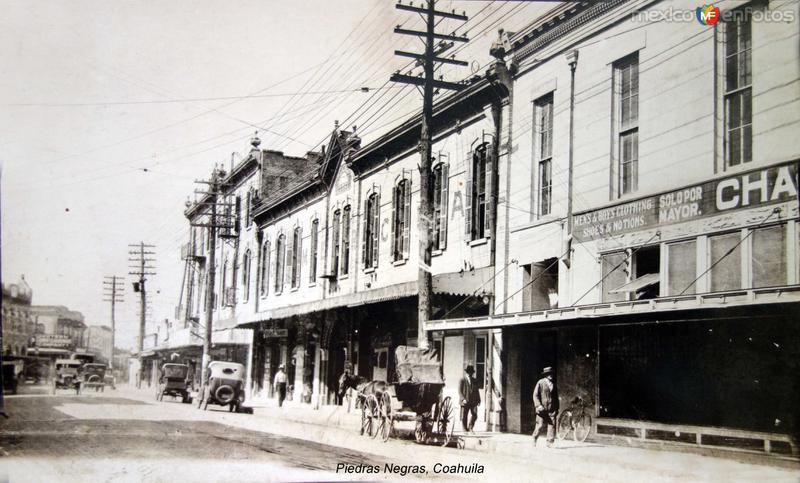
[{"x": 416, "y": 396}]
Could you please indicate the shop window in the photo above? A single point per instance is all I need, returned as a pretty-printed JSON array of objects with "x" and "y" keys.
[
  {"x": 681, "y": 267},
  {"x": 543, "y": 152},
  {"x": 540, "y": 282},
  {"x": 769, "y": 267},
  {"x": 646, "y": 266},
  {"x": 480, "y": 361},
  {"x": 614, "y": 278},
  {"x": 725, "y": 261}
]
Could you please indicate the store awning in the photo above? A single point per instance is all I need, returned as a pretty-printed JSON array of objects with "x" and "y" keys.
[
  {"x": 47, "y": 351},
  {"x": 476, "y": 281},
  {"x": 638, "y": 284},
  {"x": 383, "y": 294}
]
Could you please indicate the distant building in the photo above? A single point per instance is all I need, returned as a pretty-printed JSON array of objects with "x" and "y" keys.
[
  {"x": 18, "y": 325},
  {"x": 98, "y": 342},
  {"x": 58, "y": 331}
]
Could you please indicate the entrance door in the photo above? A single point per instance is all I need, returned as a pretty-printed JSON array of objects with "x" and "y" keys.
[
  {"x": 380, "y": 367},
  {"x": 538, "y": 352}
]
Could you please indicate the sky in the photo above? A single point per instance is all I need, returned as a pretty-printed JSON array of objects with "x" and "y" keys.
[{"x": 109, "y": 112}]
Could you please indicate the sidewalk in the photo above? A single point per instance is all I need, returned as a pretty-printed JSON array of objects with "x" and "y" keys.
[{"x": 332, "y": 425}]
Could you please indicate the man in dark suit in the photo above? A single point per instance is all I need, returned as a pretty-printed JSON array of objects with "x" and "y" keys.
[
  {"x": 470, "y": 399},
  {"x": 545, "y": 402}
]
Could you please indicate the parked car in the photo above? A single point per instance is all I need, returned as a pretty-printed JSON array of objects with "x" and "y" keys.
[
  {"x": 12, "y": 375},
  {"x": 174, "y": 381},
  {"x": 224, "y": 387},
  {"x": 67, "y": 375},
  {"x": 94, "y": 376}
]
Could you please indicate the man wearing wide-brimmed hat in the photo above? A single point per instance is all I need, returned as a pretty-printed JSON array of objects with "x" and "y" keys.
[
  {"x": 280, "y": 385},
  {"x": 470, "y": 398},
  {"x": 545, "y": 402}
]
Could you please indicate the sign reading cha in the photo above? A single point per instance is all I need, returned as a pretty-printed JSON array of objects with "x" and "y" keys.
[{"x": 775, "y": 184}]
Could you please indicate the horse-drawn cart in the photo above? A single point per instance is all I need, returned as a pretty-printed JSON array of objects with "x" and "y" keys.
[{"x": 416, "y": 396}]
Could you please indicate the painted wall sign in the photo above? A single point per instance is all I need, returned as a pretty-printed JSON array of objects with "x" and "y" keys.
[
  {"x": 775, "y": 184},
  {"x": 271, "y": 333},
  {"x": 53, "y": 340}
]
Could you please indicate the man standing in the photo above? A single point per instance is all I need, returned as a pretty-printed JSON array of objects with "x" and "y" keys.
[
  {"x": 545, "y": 401},
  {"x": 470, "y": 399},
  {"x": 280, "y": 385}
]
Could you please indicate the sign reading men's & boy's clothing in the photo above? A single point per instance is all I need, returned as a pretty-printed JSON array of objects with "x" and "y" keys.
[{"x": 775, "y": 184}]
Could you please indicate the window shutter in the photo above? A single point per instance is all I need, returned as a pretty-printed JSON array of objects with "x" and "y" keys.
[
  {"x": 394, "y": 221},
  {"x": 443, "y": 211},
  {"x": 490, "y": 191},
  {"x": 468, "y": 198},
  {"x": 376, "y": 229},
  {"x": 367, "y": 221},
  {"x": 299, "y": 255},
  {"x": 407, "y": 215}
]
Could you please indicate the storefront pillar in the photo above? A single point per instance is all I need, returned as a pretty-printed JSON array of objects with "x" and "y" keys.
[{"x": 496, "y": 410}]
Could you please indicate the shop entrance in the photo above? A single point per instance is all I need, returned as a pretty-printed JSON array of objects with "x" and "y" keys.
[{"x": 531, "y": 351}]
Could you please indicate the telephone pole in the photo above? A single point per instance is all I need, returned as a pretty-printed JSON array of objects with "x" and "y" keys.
[
  {"x": 214, "y": 223},
  {"x": 112, "y": 291},
  {"x": 428, "y": 61},
  {"x": 142, "y": 269}
]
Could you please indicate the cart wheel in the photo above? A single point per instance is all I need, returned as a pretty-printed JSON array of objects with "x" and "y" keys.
[
  {"x": 387, "y": 418},
  {"x": 374, "y": 414},
  {"x": 446, "y": 422},
  {"x": 368, "y": 409}
]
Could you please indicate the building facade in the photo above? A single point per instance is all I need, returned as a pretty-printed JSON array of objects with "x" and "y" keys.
[
  {"x": 18, "y": 323},
  {"x": 649, "y": 218}
]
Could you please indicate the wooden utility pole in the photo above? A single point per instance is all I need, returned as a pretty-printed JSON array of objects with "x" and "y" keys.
[
  {"x": 112, "y": 291},
  {"x": 215, "y": 187},
  {"x": 428, "y": 60},
  {"x": 142, "y": 269}
]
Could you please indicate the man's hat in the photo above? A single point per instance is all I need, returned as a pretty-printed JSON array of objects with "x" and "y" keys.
[
  {"x": 469, "y": 369},
  {"x": 281, "y": 366},
  {"x": 547, "y": 370}
]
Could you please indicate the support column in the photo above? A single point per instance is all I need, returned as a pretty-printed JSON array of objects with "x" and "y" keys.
[{"x": 497, "y": 416}]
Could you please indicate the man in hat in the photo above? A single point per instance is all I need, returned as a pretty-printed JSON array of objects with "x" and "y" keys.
[
  {"x": 280, "y": 385},
  {"x": 545, "y": 402},
  {"x": 470, "y": 398}
]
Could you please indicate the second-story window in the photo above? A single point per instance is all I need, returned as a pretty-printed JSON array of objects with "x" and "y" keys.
[
  {"x": 224, "y": 284},
  {"x": 543, "y": 152},
  {"x": 478, "y": 207},
  {"x": 280, "y": 260},
  {"x": 345, "y": 268},
  {"x": 371, "y": 231},
  {"x": 312, "y": 268},
  {"x": 295, "y": 252},
  {"x": 738, "y": 92},
  {"x": 264, "y": 276},
  {"x": 246, "y": 276},
  {"x": 337, "y": 215},
  {"x": 441, "y": 183},
  {"x": 626, "y": 94},
  {"x": 401, "y": 220}
]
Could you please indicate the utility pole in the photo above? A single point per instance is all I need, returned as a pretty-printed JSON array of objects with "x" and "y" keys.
[
  {"x": 428, "y": 61},
  {"x": 142, "y": 269},
  {"x": 214, "y": 223},
  {"x": 112, "y": 291}
]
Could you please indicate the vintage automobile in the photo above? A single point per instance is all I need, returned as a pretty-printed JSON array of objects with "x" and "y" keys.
[
  {"x": 67, "y": 375},
  {"x": 12, "y": 375},
  {"x": 174, "y": 381},
  {"x": 224, "y": 387},
  {"x": 94, "y": 376}
]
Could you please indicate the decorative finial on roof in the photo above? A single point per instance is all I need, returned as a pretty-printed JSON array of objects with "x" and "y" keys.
[{"x": 255, "y": 141}]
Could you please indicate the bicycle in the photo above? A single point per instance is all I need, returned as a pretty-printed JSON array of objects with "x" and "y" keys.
[{"x": 576, "y": 420}]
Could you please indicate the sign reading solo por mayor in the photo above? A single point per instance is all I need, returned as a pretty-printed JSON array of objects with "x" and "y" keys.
[{"x": 775, "y": 184}]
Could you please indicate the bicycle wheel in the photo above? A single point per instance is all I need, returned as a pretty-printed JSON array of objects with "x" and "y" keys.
[
  {"x": 564, "y": 424},
  {"x": 583, "y": 426}
]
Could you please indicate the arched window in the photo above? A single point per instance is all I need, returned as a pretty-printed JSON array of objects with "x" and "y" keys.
[
  {"x": 246, "y": 276},
  {"x": 295, "y": 250},
  {"x": 312, "y": 270},
  {"x": 280, "y": 261},
  {"x": 441, "y": 183},
  {"x": 337, "y": 215},
  {"x": 264, "y": 276},
  {"x": 480, "y": 192},
  {"x": 346, "y": 240},
  {"x": 401, "y": 220},
  {"x": 371, "y": 231}
]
